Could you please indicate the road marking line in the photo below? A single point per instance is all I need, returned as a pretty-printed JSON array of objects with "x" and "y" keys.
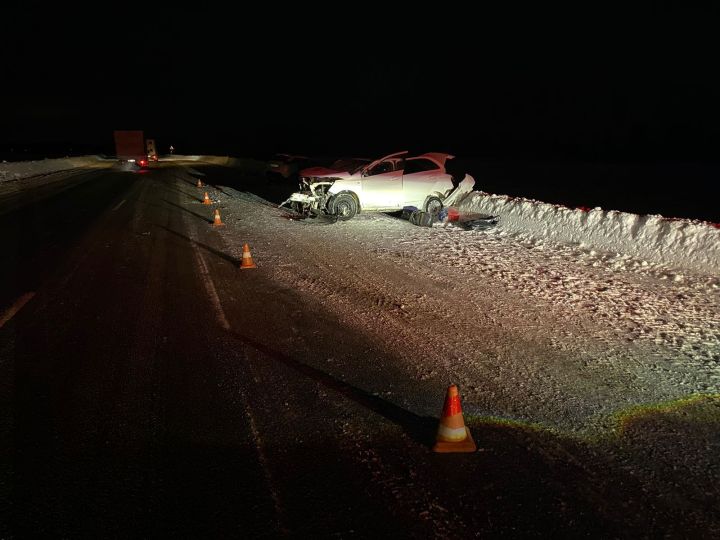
[
  {"x": 257, "y": 437},
  {"x": 17, "y": 306},
  {"x": 119, "y": 205},
  {"x": 261, "y": 455},
  {"x": 210, "y": 288}
]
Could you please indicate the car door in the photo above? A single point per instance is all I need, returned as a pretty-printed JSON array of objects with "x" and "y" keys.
[
  {"x": 421, "y": 177},
  {"x": 382, "y": 183},
  {"x": 382, "y": 186}
]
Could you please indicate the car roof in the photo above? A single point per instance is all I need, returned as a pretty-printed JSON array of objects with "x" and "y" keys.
[
  {"x": 438, "y": 157},
  {"x": 396, "y": 154}
]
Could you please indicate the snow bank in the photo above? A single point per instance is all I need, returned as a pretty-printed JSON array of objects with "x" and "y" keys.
[
  {"x": 23, "y": 169},
  {"x": 688, "y": 244}
]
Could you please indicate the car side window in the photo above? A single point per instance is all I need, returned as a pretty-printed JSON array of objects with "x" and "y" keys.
[
  {"x": 419, "y": 165},
  {"x": 380, "y": 168}
]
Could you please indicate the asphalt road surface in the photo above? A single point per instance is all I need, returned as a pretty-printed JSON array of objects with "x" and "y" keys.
[{"x": 152, "y": 388}]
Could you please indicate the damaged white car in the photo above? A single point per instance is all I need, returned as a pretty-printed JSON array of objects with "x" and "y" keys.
[{"x": 386, "y": 184}]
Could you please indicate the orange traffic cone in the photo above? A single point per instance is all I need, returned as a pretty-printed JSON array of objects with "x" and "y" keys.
[
  {"x": 199, "y": 184},
  {"x": 452, "y": 435},
  {"x": 218, "y": 222},
  {"x": 206, "y": 200},
  {"x": 247, "y": 261}
]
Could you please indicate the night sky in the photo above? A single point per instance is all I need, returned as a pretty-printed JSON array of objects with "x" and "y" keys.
[{"x": 587, "y": 85}]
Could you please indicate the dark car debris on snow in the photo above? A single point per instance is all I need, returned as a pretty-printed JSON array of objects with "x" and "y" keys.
[{"x": 449, "y": 216}]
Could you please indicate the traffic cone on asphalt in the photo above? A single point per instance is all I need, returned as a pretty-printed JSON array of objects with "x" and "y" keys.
[
  {"x": 452, "y": 435},
  {"x": 247, "y": 261},
  {"x": 199, "y": 184},
  {"x": 206, "y": 200},
  {"x": 218, "y": 222}
]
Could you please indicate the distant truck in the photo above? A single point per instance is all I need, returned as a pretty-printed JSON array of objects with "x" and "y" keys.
[{"x": 130, "y": 146}]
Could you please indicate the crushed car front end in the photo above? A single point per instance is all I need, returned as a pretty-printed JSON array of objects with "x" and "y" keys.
[
  {"x": 318, "y": 186},
  {"x": 313, "y": 196}
]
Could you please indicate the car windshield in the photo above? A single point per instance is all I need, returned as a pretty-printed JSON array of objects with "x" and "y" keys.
[{"x": 351, "y": 165}]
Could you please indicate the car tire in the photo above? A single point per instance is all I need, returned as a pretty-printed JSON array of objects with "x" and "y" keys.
[
  {"x": 298, "y": 207},
  {"x": 344, "y": 206},
  {"x": 433, "y": 205}
]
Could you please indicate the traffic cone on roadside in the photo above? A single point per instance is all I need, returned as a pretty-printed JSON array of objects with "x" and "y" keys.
[
  {"x": 218, "y": 222},
  {"x": 207, "y": 200},
  {"x": 452, "y": 435},
  {"x": 247, "y": 261},
  {"x": 199, "y": 184}
]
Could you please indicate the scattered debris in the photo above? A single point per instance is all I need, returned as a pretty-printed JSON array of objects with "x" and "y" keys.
[
  {"x": 449, "y": 216},
  {"x": 467, "y": 221},
  {"x": 417, "y": 217}
]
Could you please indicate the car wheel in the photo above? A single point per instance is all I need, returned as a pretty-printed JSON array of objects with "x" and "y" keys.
[
  {"x": 298, "y": 207},
  {"x": 344, "y": 206},
  {"x": 433, "y": 205}
]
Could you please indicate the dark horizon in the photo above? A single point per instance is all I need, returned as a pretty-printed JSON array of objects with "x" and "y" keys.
[{"x": 578, "y": 86}]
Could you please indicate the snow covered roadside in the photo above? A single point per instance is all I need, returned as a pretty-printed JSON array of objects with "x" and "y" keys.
[
  {"x": 534, "y": 331},
  {"x": 606, "y": 349},
  {"x": 686, "y": 244},
  {"x": 18, "y": 177},
  {"x": 17, "y": 170}
]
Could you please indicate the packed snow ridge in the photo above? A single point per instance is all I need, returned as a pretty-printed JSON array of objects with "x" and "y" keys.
[{"x": 680, "y": 243}]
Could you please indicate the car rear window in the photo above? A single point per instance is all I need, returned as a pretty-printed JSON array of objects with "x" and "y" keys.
[{"x": 419, "y": 165}]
